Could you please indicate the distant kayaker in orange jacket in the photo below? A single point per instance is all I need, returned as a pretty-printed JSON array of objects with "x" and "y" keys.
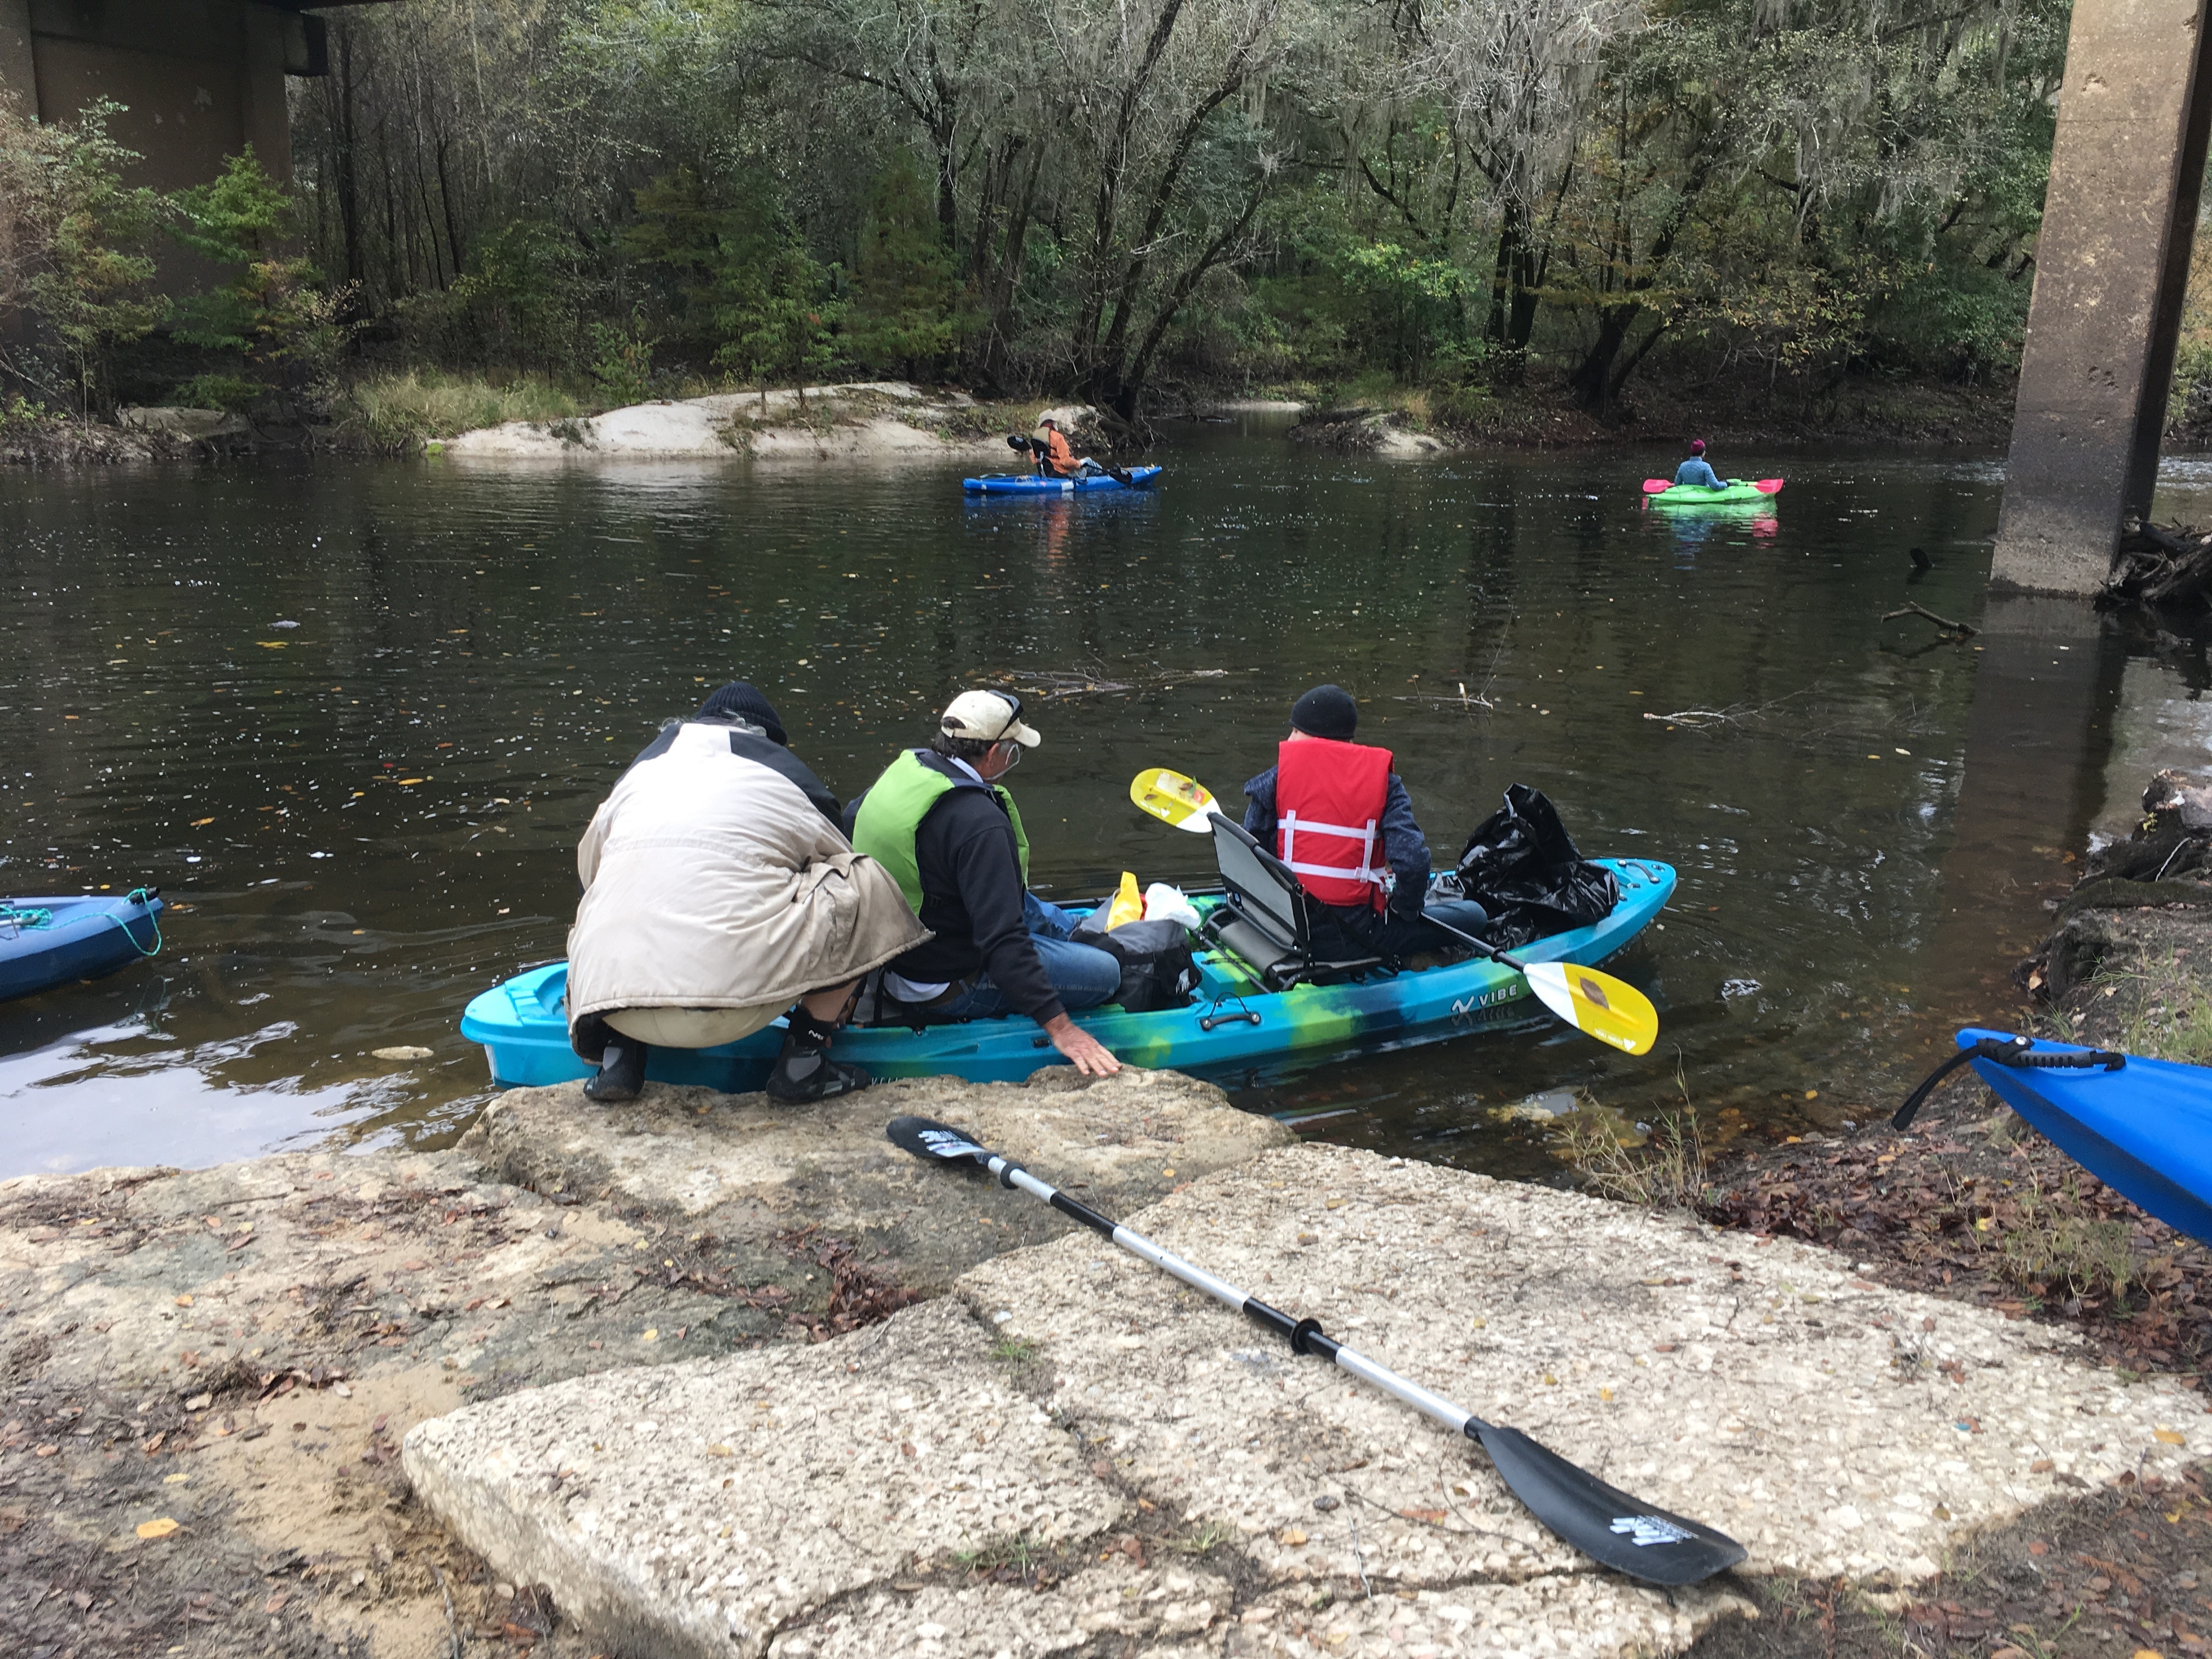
[{"x": 1059, "y": 460}]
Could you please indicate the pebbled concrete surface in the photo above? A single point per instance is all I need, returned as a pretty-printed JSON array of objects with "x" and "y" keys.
[
  {"x": 1209, "y": 1493},
  {"x": 240, "y": 1349}
]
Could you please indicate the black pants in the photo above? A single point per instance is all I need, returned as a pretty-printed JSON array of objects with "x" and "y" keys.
[
  {"x": 1363, "y": 934},
  {"x": 590, "y": 1036}
]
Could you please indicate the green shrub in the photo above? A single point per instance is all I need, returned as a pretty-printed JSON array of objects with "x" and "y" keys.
[
  {"x": 271, "y": 310},
  {"x": 399, "y": 412}
]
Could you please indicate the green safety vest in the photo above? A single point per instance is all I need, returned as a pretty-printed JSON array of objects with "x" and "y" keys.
[{"x": 894, "y": 808}]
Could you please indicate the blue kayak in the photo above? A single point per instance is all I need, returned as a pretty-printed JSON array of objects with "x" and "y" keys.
[
  {"x": 2145, "y": 1130},
  {"x": 45, "y": 942},
  {"x": 1028, "y": 483},
  {"x": 1234, "y": 1027}
]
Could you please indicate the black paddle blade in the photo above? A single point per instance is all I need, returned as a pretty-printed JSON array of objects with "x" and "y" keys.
[
  {"x": 1604, "y": 1523},
  {"x": 925, "y": 1137}
]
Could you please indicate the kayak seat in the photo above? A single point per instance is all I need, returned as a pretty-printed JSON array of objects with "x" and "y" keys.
[{"x": 1266, "y": 920}]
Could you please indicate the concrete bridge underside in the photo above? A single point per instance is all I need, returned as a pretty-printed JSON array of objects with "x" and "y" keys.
[{"x": 200, "y": 79}]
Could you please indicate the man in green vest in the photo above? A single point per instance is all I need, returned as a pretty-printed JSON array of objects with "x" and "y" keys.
[{"x": 941, "y": 823}]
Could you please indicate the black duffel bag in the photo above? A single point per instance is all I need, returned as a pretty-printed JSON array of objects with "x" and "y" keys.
[
  {"x": 1156, "y": 969},
  {"x": 1527, "y": 873}
]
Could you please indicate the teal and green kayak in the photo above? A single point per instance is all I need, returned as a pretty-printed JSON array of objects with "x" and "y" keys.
[
  {"x": 1233, "y": 1028},
  {"x": 1735, "y": 492}
]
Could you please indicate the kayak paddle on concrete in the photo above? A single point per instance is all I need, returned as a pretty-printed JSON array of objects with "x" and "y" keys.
[
  {"x": 1609, "y": 1526},
  {"x": 1611, "y": 1010},
  {"x": 1174, "y": 799}
]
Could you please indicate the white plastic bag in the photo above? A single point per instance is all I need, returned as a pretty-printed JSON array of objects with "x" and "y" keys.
[{"x": 1166, "y": 903}]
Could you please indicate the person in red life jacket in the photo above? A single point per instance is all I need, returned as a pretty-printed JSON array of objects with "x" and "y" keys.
[{"x": 1335, "y": 813}]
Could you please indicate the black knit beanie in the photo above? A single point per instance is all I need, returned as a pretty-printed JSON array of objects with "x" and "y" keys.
[
  {"x": 1326, "y": 711},
  {"x": 740, "y": 699}
]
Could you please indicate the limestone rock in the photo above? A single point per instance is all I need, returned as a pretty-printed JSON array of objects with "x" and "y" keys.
[
  {"x": 1366, "y": 431},
  {"x": 179, "y": 421},
  {"x": 857, "y": 420}
]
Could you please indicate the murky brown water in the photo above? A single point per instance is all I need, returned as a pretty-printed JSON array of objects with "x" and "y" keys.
[{"x": 366, "y": 818}]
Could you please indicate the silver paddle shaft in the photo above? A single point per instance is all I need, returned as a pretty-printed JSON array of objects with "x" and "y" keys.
[{"x": 1424, "y": 1400}]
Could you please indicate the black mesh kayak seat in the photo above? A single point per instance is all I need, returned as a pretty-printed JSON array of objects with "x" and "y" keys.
[{"x": 1267, "y": 919}]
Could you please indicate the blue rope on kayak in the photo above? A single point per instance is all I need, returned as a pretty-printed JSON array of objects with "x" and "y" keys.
[
  {"x": 139, "y": 895},
  {"x": 22, "y": 917}
]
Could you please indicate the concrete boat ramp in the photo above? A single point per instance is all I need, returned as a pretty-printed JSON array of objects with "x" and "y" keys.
[{"x": 1054, "y": 1450}]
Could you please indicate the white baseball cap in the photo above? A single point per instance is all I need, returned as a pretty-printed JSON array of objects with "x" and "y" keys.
[{"x": 988, "y": 717}]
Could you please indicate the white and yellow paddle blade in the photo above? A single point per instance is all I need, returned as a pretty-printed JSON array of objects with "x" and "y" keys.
[
  {"x": 1174, "y": 799},
  {"x": 1611, "y": 1010}
]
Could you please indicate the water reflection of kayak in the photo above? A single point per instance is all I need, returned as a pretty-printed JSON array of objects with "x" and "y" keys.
[
  {"x": 1734, "y": 493},
  {"x": 45, "y": 942},
  {"x": 1234, "y": 1025},
  {"x": 1028, "y": 483}
]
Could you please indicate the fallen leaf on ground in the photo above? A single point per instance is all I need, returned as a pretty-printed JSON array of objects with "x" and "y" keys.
[{"x": 160, "y": 1528}]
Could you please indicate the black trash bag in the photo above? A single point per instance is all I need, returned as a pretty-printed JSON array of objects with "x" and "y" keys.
[
  {"x": 1525, "y": 869},
  {"x": 1156, "y": 969}
]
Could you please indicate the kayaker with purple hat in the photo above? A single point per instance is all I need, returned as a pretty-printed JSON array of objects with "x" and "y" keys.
[{"x": 1696, "y": 470}]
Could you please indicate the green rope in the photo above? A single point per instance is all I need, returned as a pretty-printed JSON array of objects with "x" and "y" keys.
[
  {"x": 22, "y": 916},
  {"x": 139, "y": 895}
]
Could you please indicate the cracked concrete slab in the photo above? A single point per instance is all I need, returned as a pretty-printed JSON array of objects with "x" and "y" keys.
[
  {"x": 695, "y": 1509},
  {"x": 1831, "y": 1425},
  {"x": 1834, "y": 1427},
  {"x": 240, "y": 1349},
  {"x": 746, "y": 1168}
]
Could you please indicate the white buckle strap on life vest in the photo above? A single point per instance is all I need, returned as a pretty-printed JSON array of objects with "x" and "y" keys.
[{"x": 1291, "y": 824}]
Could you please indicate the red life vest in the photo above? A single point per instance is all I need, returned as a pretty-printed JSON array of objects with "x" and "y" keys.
[{"x": 1328, "y": 818}]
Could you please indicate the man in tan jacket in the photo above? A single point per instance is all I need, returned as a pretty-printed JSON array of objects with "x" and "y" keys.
[{"x": 719, "y": 890}]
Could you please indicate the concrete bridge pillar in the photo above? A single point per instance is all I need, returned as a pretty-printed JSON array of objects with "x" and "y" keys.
[{"x": 2112, "y": 264}]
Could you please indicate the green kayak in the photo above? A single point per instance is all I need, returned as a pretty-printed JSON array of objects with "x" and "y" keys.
[{"x": 1735, "y": 492}]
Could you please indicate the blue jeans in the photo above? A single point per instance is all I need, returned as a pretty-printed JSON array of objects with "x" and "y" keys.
[{"x": 1082, "y": 975}]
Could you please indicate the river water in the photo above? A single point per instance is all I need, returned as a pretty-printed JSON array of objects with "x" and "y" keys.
[{"x": 351, "y": 718}]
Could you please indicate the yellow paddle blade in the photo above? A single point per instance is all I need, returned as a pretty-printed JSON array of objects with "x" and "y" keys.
[
  {"x": 1174, "y": 799},
  {"x": 1611, "y": 1010}
]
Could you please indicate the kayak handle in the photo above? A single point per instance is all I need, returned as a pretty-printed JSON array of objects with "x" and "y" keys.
[
  {"x": 1213, "y": 1015},
  {"x": 2014, "y": 1051}
]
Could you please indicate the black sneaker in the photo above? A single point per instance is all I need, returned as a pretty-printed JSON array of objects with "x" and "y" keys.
[
  {"x": 804, "y": 1071},
  {"x": 621, "y": 1074}
]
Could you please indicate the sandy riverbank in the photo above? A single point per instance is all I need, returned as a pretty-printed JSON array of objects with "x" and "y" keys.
[
  {"x": 727, "y": 1379},
  {"x": 872, "y": 420}
]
